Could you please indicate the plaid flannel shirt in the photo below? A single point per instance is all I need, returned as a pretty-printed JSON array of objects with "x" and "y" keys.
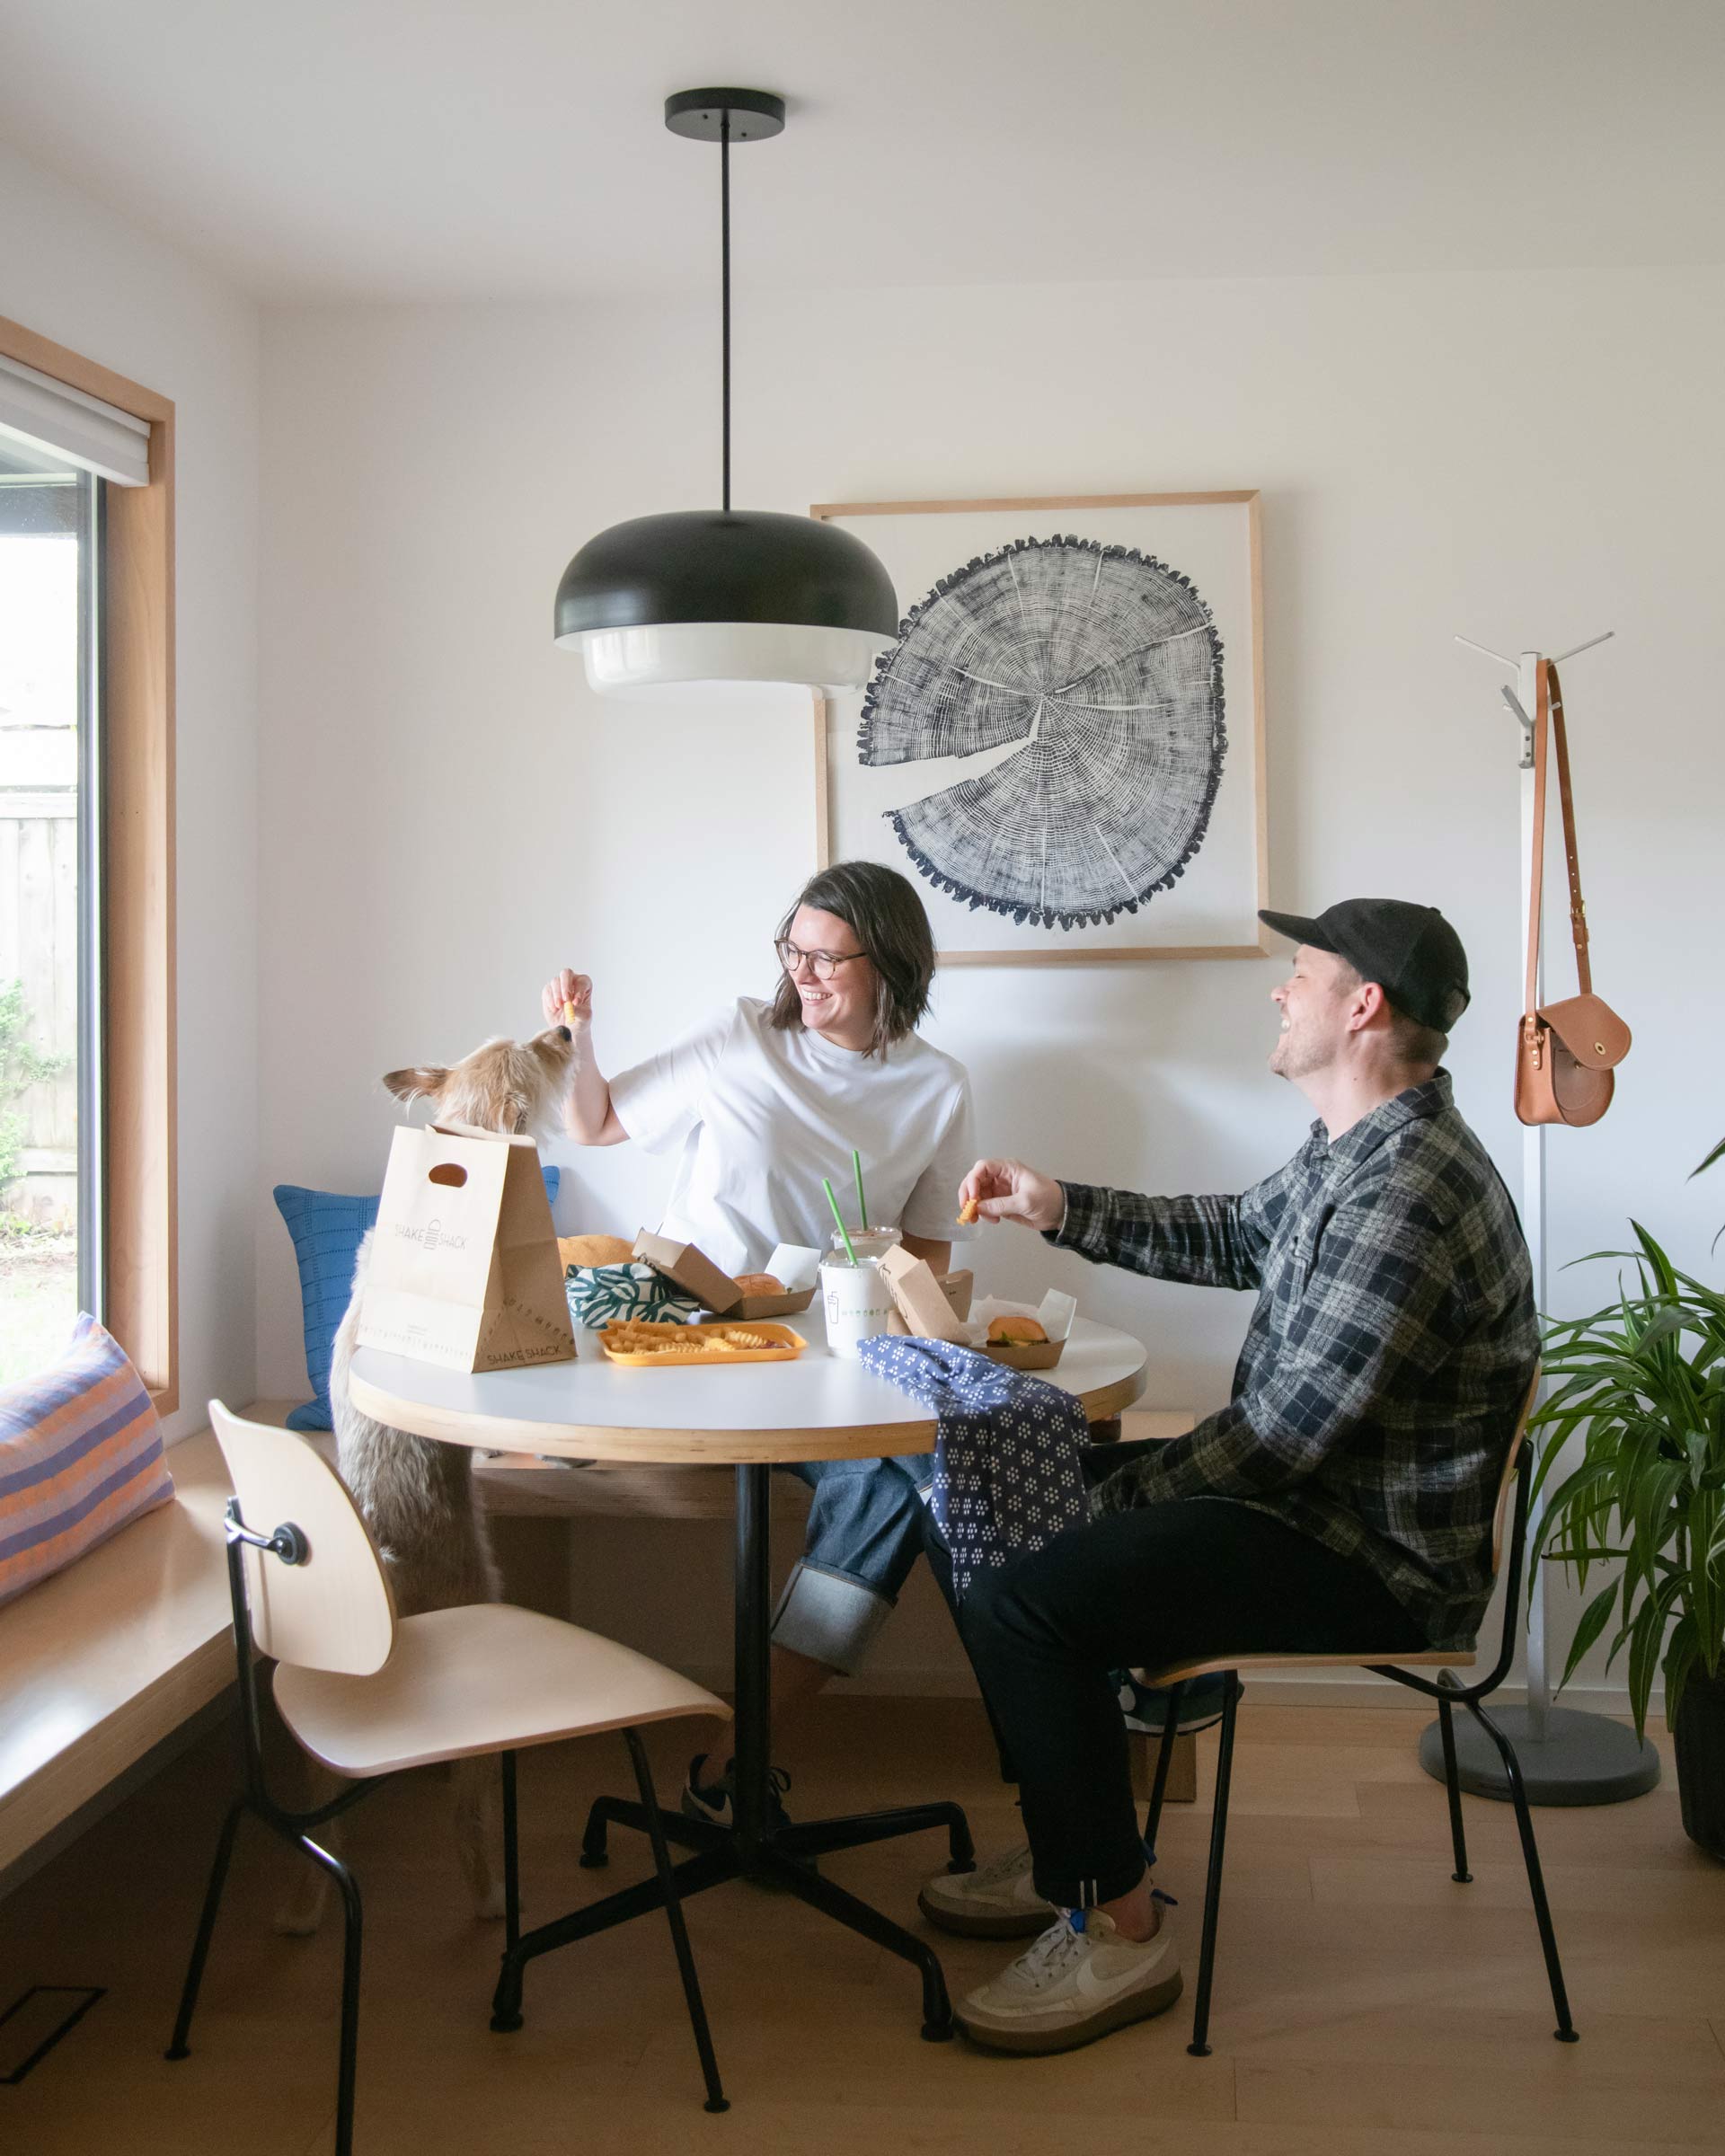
[{"x": 1387, "y": 1359}]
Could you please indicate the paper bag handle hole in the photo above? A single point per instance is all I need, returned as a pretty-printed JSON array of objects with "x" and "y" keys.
[{"x": 449, "y": 1171}]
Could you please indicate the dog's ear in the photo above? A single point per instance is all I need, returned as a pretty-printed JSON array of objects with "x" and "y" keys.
[{"x": 423, "y": 1083}]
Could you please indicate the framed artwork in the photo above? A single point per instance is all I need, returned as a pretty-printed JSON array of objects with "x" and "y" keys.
[{"x": 1065, "y": 748}]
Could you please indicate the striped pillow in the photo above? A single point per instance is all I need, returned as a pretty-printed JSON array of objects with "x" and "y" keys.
[{"x": 80, "y": 1456}]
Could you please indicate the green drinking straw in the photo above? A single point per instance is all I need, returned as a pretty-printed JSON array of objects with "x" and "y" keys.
[
  {"x": 861, "y": 1202},
  {"x": 844, "y": 1234}
]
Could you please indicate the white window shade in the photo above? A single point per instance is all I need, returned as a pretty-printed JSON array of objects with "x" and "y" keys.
[{"x": 45, "y": 414}]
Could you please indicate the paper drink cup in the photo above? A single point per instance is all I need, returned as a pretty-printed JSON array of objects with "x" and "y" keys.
[
  {"x": 867, "y": 1242},
  {"x": 856, "y": 1303}
]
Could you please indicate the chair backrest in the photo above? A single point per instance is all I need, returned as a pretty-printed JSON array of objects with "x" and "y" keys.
[
  {"x": 334, "y": 1609},
  {"x": 1511, "y": 1461}
]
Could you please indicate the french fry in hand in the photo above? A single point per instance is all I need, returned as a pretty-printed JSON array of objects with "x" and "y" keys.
[{"x": 969, "y": 1214}]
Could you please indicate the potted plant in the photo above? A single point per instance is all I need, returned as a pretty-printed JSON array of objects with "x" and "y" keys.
[{"x": 1642, "y": 1380}]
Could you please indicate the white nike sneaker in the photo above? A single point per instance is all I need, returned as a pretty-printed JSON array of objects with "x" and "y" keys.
[
  {"x": 1073, "y": 1986},
  {"x": 998, "y": 1901}
]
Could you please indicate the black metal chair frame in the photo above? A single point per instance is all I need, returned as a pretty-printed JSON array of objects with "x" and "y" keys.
[
  {"x": 287, "y": 1543},
  {"x": 1449, "y": 1693}
]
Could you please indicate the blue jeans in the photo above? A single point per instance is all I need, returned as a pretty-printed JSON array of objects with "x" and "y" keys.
[{"x": 865, "y": 1532}]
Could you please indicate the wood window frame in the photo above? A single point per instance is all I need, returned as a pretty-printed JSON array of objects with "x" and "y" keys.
[{"x": 140, "y": 1118}]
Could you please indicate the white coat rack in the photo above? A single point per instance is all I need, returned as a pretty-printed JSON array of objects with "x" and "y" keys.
[{"x": 1567, "y": 1756}]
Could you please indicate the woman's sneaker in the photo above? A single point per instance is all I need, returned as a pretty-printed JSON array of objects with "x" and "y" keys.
[
  {"x": 1079, "y": 1980},
  {"x": 707, "y": 1795},
  {"x": 1145, "y": 1707},
  {"x": 998, "y": 1901}
]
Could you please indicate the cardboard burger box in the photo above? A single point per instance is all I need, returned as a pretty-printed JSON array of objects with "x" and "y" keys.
[
  {"x": 692, "y": 1271},
  {"x": 1054, "y": 1313}
]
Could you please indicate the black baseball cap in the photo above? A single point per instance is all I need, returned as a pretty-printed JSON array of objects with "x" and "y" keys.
[{"x": 1410, "y": 952}]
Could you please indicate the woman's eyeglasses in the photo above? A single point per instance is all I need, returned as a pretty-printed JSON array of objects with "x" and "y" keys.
[{"x": 824, "y": 963}]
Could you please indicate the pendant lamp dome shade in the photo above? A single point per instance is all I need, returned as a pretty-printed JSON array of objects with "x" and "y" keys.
[
  {"x": 725, "y": 594},
  {"x": 712, "y": 595}
]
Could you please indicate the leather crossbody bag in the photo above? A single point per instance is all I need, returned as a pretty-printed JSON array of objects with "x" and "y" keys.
[{"x": 1565, "y": 1052}]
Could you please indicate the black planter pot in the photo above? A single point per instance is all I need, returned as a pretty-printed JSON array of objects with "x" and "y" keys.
[{"x": 1699, "y": 1734}]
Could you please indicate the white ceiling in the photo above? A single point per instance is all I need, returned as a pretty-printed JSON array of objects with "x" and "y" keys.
[{"x": 443, "y": 149}]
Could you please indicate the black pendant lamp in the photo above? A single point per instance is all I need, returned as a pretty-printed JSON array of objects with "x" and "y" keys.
[{"x": 725, "y": 594}]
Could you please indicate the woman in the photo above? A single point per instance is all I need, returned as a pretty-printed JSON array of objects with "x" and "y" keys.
[{"x": 759, "y": 1104}]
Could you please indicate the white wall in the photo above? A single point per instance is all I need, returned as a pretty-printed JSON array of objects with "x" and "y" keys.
[
  {"x": 76, "y": 272},
  {"x": 448, "y": 815}
]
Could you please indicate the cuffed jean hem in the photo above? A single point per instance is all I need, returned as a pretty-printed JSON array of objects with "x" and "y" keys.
[{"x": 829, "y": 1617}]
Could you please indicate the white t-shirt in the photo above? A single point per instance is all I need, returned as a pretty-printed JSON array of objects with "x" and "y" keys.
[{"x": 759, "y": 1116}]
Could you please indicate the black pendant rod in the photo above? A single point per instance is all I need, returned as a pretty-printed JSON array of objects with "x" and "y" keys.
[{"x": 724, "y": 256}]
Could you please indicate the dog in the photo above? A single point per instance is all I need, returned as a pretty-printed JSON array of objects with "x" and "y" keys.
[{"x": 417, "y": 1495}]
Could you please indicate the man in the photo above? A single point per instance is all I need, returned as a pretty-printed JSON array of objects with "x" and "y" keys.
[{"x": 1343, "y": 1498}]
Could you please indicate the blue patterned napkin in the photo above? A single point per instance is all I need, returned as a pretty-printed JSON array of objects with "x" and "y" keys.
[{"x": 1008, "y": 1472}]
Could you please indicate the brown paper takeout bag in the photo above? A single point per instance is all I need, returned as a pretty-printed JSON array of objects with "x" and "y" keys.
[{"x": 465, "y": 1270}]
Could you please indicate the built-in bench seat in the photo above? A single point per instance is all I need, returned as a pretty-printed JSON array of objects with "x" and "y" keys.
[{"x": 114, "y": 1664}]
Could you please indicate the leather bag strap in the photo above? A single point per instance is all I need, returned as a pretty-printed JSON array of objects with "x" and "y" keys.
[{"x": 1548, "y": 720}]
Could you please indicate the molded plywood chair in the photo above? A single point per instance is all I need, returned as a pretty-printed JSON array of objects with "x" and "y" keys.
[
  {"x": 370, "y": 1693},
  {"x": 1448, "y": 1690}
]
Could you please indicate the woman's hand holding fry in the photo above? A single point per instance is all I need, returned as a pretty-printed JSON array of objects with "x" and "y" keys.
[{"x": 567, "y": 1000}]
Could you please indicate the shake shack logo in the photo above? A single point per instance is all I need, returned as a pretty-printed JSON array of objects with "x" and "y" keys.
[{"x": 431, "y": 1236}]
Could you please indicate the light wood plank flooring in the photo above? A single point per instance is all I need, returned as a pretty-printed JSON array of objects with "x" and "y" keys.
[{"x": 1364, "y": 2004}]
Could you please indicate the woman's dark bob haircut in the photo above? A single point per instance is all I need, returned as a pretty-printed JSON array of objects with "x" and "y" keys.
[{"x": 882, "y": 910}]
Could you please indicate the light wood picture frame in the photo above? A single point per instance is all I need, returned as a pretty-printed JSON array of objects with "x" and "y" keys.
[{"x": 1212, "y": 539}]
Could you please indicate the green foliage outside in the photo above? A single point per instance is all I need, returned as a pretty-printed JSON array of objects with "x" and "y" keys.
[{"x": 21, "y": 1065}]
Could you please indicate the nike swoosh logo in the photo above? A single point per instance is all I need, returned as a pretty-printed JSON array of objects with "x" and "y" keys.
[{"x": 1091, "y": 1985}]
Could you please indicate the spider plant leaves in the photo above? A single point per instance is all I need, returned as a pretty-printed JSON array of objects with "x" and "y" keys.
[
  {"x": 1718, "y": 1153},
  {"x": 1594, "y": 1620},
  {"x": 1640, "y": 1386}
]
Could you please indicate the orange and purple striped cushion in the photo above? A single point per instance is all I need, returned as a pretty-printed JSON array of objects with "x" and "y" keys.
[{"x": 80, "y": 1457}]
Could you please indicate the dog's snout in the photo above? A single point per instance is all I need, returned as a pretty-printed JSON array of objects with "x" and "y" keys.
[{"x": 564, "y": 1035}]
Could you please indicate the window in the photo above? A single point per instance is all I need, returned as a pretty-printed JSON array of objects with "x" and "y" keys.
[
  {"x": 50, "y": 1123},
  {"x": 87, "y": 1101}
]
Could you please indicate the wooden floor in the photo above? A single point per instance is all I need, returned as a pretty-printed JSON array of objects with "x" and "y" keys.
[{"x": 1365, "y": 2003}]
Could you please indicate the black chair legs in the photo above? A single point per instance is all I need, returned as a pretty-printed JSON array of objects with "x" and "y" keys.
[
  {"x": 1199, "y": 2046},
  {"x": 1565, "y": 2032},
  {"x": 178, "y": 2048},
  {"x": 716, "y": 2098},
  {"x": 346, "y": 2071},
  {"x": 1462, "y": 1876},
  {"x": 1164, "y": 1759},
  {"x": 511, "y": 1858}
]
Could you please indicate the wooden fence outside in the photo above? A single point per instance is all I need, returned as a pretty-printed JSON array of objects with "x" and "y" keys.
[{"x": 38, "y": 947}]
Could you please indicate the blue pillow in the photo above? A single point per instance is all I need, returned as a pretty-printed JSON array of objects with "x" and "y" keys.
[{"x": 327, "y": 1231}]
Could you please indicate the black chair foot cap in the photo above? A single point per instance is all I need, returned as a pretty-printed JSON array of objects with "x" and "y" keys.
[
  {"x": 1462, "y": 1878},
  {"x": 180, "y": 2051},
  {"x": 594, "y": 1861},
  {"x": 969, "y": 1864},
  {"x": 721, "y": 2103},
  {"x": 1198, "y": 2051},
  {"x": 939, "y": 2032},
  {"x": 1567, "y": 2036},
  {"x": 506, "y": 2025}
]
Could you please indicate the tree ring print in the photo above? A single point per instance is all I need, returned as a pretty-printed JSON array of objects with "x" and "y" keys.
[{"x": 1086, "y": 682}]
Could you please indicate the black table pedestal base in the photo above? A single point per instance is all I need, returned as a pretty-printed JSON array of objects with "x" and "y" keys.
[{"x": 752, "y": 1848}]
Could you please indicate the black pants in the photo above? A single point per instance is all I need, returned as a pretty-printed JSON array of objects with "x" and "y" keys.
[{"x": 1185, "y": 1580}]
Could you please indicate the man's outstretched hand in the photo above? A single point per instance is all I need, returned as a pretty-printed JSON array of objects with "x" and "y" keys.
[{"x": 1009, "y": 1190}]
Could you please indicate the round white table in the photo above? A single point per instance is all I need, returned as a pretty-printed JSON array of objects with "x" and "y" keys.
[{"x": 753, "y": 1416}]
